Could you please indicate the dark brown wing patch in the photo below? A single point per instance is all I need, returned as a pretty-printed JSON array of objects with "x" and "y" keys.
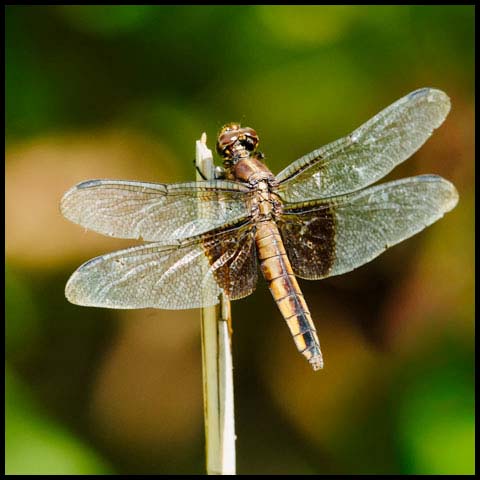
[
  {"x": 330, "y": 237},
  {"x": 174, "y": 277},
  {"x": 233, "y": 259},
  {"x": 309, "y": 238}
]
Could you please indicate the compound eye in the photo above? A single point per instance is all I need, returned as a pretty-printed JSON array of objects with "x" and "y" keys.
[
  {"x": 251, "y": 132},
  {"x": 229, "y": 127},
  {"x": 251, "y": 141},
  {"x": 226, "y": 140}
]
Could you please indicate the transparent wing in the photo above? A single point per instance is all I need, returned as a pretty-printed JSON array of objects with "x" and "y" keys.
[
  {"x": 153, "y": 211},
  {"x": 330, "y": 237},
  {"x": 368, "y": 153},
  {"x": 190, "y": 274}
]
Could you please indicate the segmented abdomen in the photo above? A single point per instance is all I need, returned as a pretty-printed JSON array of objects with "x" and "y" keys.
[{"x": 278, "y": 272}]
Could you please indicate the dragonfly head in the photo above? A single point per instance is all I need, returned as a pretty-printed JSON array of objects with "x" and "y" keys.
[{"x": 235, "y": 141}]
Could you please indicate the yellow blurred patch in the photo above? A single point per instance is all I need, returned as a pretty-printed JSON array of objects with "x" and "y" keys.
[
  {"x": 38, "y": 173},
  {"x": 148, "y": 390},
  {"x": 308, "y": 25}
]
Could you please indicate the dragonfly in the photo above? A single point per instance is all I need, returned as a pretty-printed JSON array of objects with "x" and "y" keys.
[{"x": 313, "y": 220}]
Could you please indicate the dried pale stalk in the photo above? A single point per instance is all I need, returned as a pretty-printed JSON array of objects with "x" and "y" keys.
[{"x": 217, "y": 364}]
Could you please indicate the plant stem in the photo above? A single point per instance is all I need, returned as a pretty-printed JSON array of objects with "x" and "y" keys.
[{"x": 216, "y": 363}]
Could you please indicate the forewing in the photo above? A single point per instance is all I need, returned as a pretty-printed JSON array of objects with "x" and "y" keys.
[
  {"x": 152, "y": 211},
  {"x": 334, "y": 236},
  {"x": 368, "y": 153},
  {"x": 189, "y": 274}
]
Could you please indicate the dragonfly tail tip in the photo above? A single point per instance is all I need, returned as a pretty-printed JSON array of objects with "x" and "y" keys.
[{"x": 316, "y": 362}]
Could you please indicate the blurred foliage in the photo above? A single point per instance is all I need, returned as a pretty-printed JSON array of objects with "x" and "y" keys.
[
  {"x": 38, "y": 445},
  {"x": 123, "y": 92}
]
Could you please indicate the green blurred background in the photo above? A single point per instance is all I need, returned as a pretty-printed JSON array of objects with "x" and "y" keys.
[{"x": 123, "y": 92}]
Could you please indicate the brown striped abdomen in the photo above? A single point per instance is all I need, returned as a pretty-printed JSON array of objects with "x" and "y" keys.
[{"x": 278, "y": 272}]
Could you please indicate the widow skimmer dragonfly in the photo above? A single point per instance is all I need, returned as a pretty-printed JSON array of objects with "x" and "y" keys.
[{"x": 313, "y": 220}]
